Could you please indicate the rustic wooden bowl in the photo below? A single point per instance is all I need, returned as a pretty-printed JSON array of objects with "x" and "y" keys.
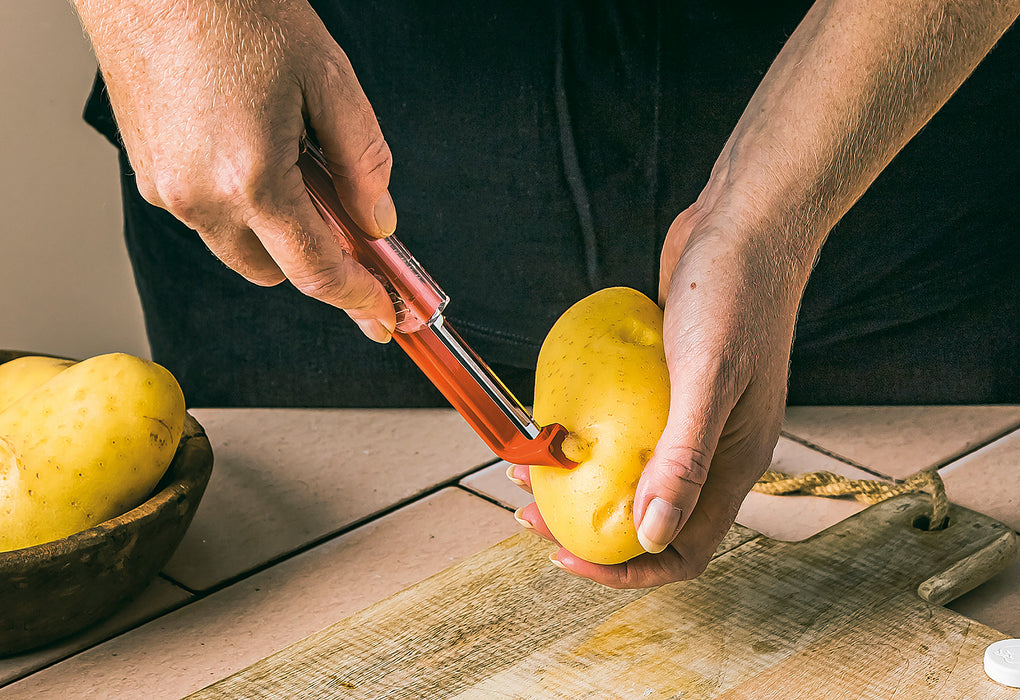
[{"x": 58, "y": 588}]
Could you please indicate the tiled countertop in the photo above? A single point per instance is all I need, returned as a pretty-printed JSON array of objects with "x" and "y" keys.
[{"x": 311, "y": 515}]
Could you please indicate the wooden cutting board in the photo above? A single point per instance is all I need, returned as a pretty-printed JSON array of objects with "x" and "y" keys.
[{"x": 854, "y": 612}]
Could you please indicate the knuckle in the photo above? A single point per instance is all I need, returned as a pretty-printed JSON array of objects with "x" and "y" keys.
[
  {"x": 319, "y": 284},
  {"x": 325, "y": 284},
  {"x": 238, "y": 181},
  {"x": 373, "y": 164},
  {"x": 685, "y": 561},
  {"x": 621, "y": 576},
  {"x": 688, "y": 464},
  {"x": 178, "y": 197},
  {"x": 148, "y": 190},
  {"x": 336, "y": 71},
  {"x": 619, "y": 581},
  {"x": 169, "y": 187},
  {"x": 230, "y": 188},
  {"x": 253, "y": 268},
  {"x": 254, "y": 186}
]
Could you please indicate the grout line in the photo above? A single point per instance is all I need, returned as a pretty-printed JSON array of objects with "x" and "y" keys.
[
  {"x": 102, "y": 639},
  {"x": 485, "y": 497},
  {"x": 838, "y": 457},
  {"x": 938, "y": 465},
  {"x": 967, "y": 451},
  {"x": 174, "y": 582}
]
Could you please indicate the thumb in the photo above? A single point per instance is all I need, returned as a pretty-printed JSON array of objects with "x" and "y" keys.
[
  {"x": 678, "y": 469},
  {"x": 358, "y": 156}
]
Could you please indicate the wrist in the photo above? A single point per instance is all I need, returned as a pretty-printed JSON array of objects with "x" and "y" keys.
[{"x": 776, "y": 232}]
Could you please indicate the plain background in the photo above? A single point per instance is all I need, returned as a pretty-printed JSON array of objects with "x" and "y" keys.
[{"x": 65, "y": 281}]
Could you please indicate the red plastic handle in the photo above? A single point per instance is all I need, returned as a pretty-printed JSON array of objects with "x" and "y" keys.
[
  {"x": 416, "y": 296},
  {"x": 502, "y": 436},
  {"x": 419, "y": 302}
]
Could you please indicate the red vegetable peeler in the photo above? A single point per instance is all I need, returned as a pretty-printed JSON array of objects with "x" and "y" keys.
[{"x": 422, "y": 331}]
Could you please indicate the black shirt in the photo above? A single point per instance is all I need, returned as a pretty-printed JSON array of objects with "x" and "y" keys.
[{"x": 541, "y": 151}]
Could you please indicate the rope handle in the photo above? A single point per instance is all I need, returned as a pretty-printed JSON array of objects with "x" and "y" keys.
[{"x": 829, "y": 485}]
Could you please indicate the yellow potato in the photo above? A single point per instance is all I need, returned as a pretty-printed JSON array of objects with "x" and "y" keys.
[
  {"x": 24, "y": 374},
  {"x": 87, "y": 445},
  {"x": 602, "y": 375}
]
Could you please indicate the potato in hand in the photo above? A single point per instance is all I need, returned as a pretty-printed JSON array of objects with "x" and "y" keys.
[
  {"x": 84, "y": 445},
  {"x": 602, "y": 375}
]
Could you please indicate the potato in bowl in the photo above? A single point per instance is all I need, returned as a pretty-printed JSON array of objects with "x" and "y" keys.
[{"x": 53, "y": 588}]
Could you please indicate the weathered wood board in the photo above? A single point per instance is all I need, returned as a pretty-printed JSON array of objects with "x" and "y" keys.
[{"x": 836, "y": 616}]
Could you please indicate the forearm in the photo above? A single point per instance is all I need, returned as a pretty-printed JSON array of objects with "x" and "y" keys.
[
  {"x": 143, "y": 44},
  {"x": 853, "y": 84}
]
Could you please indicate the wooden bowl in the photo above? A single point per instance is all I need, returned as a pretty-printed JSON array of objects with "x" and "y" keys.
[{"x": 58, "y": 588}]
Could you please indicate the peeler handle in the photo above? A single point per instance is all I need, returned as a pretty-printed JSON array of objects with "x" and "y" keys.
[
  {"x": 415, "y": 295},
  {"x": 458, "y": 372}
]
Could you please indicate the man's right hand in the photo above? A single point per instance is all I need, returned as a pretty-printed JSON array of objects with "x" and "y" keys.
[{"x": 212, "y": 98}]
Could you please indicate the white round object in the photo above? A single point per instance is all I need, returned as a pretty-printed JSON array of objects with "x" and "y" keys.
[{"x": 1002, "y": 662}]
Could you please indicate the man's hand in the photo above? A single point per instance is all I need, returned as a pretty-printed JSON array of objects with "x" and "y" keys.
[
  {"x": 212, "y": 98},
  {"x": 856, "y": 80},
  {"x": 728, "y": 330}
]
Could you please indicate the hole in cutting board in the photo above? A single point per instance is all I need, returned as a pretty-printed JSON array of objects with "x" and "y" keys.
[{"x": 923, "y": 522}]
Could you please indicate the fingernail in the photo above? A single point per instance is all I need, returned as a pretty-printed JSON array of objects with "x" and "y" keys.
[
  {"x": 658, "y": 526},
  {"x": 374, "y": 329},
  {"x": 521, "y": 520},
  {"x": 385, "y": 214},
  {"x": 510, "y": 475},
  {"x": 557, "y": 562}
]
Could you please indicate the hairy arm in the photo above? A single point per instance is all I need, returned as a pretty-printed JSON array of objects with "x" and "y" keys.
[
  {"x": 855, "y": 81},
  {"x": 211, "y": 98},
  {"x": 853, "y": 84}
]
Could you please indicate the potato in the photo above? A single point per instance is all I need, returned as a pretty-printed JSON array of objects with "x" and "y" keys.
[
  {"x": 602, "y": 375},
  {"x": 87, "y": 445},
  {"x": 24, "y": 374}
]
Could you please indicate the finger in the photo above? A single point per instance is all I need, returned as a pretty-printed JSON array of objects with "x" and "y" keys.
[
  {"x": 520, "y": 475},
  {"x": 644, "y": 571},
  {"x": 356, "y": 152},
  {"x": 308, "y": 253},
  {"x": 239, "y": 248},
  {"x": 673, "y": 478},
  {"x": 672, "y": 481},
  {"x": 712, "y": 518},
  {"x": 531, "y": 518},
  {"x": 686, "y": 558},
  {"x": 196, "y": 205}
]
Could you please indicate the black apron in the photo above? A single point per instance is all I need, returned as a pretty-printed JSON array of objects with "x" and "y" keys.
[{"x": 541, "y": 150}]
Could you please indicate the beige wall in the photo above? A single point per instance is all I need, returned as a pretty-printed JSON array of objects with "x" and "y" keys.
[{"x": 65, "y": 282}]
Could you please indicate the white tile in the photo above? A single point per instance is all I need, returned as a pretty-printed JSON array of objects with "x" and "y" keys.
[
  {"x": 995, "y": 603},
  {"x": 988, "y": 480},
  {"x": 492, "y": 482},
  {"x": 284, "y": 478},
  {"x": 897, "y": 441}
]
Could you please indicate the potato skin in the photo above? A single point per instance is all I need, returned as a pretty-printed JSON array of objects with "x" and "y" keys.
[
  {"x": 602, "y": 375},
  {"x": 25, "y": 374},
  {"x": 87, "y": 445}
]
